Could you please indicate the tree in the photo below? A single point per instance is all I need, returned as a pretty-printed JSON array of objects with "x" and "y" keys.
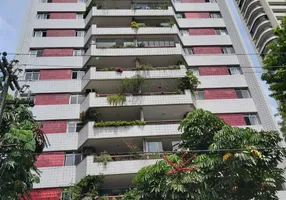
[
  {"x": 21, "y": 141},
  {"x": 274, "y": 66},
  {"x": 237, "y": 164},
  {"x": 86, "y": 187}
]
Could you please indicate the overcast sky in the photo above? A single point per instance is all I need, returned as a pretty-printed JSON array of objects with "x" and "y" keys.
[{"x": 12, "y": 14}]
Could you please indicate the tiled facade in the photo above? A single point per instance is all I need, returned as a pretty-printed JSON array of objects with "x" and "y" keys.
[{"x": 72, "y": 65}]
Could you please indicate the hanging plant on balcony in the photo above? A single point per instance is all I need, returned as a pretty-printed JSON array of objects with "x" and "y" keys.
[
  {"x": 135, "y": 84},
  {"x": 189, "y": 82},
  {"x": 116, "y": 99}
]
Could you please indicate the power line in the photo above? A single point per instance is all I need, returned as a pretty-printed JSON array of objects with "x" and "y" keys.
[
  {"x": 237, "y": 54},
  {"x": 163, "y": 152}
]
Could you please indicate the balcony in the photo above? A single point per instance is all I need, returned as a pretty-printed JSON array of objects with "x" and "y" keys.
[
  {"x": 92, "y": 101},
  {"x": 211, "y": 59},
  {"x": 89, "y": 132},
  {"x": 56, "y": 177},
  {"x": 196, "y": 7},
  {"x": 228, "y": 105},
  {"x": 207, "y": 40},
  {"x": 56, "y": 112},
  {"x": 107, "y": 81},
  {"x": 108, "y": 56},
  {"x": 53, "y": 42},
  {"x": 106, "y": 17},
  {"x": 201, "y": 23},
  {"x": 95, "y": 31},
  {"x": 59, "y": 24},
  {"x": 114, "y": 171},
  {"x": 53, "y": 86},
  {"x": 225, "y": 81}
]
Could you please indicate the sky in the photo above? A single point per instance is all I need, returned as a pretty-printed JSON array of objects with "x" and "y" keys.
[{"x": 12, "y": 13}]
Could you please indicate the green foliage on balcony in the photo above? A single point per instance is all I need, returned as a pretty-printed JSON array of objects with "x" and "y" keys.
[
  {"x": 134, "y": 83},
  {"x": 134, "y": 24},
  {"x": 87, "y": 187},
  {"x": 119, "y": 123},
  {"x": 116, "y": 99},
  {"x": 104, "y": 158},
  {"x": 189, "y": 82},
  {"x": 89, "y": 115}
]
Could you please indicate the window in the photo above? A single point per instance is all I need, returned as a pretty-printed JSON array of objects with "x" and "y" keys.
[
  {"x": 251, "y": 119},
  {"x": 242, "y": 93},
  {"x": 74, "y": 126},
  {"x": 195, "y": 71},
  {"x": 234, "y": 70},
  {"x": 72, "y": 159},
  {"x": 185, "y": 32},
  {"x": 154, "y": 147},
  {"x": 82, "y": 1},
  {"x": 79, "y": 52},
  {"x": 35, "y": 53},
  {"x": 80, "y": 33},
  {"x": 156, "y": 43},
  {"x": 43, "y": 16},
  {"x": 200, "y": 95},
  {"x": 180, "y": 15},
  {"x": 79, "y": 16},
  {"x": 32, "y": 76},
  {"x": 78, "y": 74},
  {"x": 76, "y": 99},
  {"x": 211, "y": 1},
  {"x": 40, "y": 33},
  {"x": 45, "y": 1},
  {"x": 221, "y": 31},
  {"x": 227, "y": 50},
  {"x": 215, "y": 15},
  {"x": 189, "y": 51}
]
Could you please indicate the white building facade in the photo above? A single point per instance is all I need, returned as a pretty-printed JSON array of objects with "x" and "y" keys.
[{"x": 75, "y": 55}]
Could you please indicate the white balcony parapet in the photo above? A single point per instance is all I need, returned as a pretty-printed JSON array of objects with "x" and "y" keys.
[
  {"x": 148, "y": 74},
  {"x": 67, "y": 62},
  {"x": 211, "y": 59},
  {"x": 112, "y": 168},
  {"x": 224, "y": 81},
  {"x": 53, "y": 7},
  {"x": 201, "y": 23},
  {"x": 227, "y": 105},
  {"x": 94, "y": 12},
  {"x": 57, "y": 42},
  {"x": 206, "y": 40},
  {"x": 165, "y": 51},
  {"x": 145, "y": 100},
  {"x": 56, "y": 112},
  {"x": 93, "y": 75},
  {"x": 130, "y": 31},
  {"x": 196, "y": 7},
  {"x": 53, "y": 86},
  {"x": 59, "y": 24},
  {"x": 56, "y": 177},
  {"x": 91, "y": 132},
  {"x": 62, "y": 142}
]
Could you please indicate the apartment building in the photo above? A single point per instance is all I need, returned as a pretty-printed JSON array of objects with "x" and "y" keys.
[
  {"x": 75, "y": 54},
  {"x": 261, "y": 17}
]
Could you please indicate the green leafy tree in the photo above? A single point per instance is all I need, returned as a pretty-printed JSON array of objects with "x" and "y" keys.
[
  {"x": 87, "y": 187},
  {"x": 274, "y": 66},
  {"x": 238, "y": 164},
  {"x": 21, "y": 141}
]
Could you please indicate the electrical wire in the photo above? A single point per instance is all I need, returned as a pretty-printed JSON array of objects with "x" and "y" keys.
[{"x": 235, "y": 54}]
